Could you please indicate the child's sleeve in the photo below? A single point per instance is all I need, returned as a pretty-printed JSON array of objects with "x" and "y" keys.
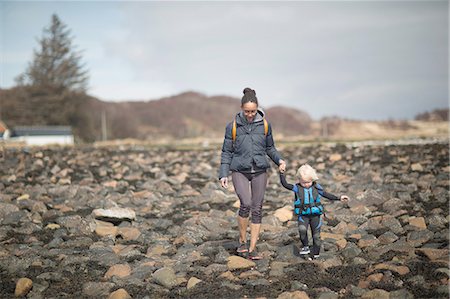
[
  {"x": 284, "y": 183},
  {"x": 326, "y": 194}
]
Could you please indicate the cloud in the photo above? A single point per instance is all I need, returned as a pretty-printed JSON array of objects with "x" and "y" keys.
[{"x": 357, "y": 59}]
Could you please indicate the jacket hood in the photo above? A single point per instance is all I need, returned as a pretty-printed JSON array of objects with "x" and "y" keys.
[{"x": 241, "y": 119}]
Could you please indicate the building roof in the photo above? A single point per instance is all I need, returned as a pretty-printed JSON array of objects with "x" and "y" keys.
[{"x": 42, "y": 131}]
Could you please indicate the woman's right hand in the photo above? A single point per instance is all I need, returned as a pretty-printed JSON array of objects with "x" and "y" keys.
[
  {"x": 282, "y": 166},
  {"x": 224, "y": 182}
]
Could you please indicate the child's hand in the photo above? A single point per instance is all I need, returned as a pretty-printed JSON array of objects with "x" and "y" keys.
[{"x": 344, "y": 198}]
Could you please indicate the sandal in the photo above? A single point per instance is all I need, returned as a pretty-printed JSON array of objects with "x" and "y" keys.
[
  {"x": 242, "y": 248},
  {"x": 253, "y": 255}
]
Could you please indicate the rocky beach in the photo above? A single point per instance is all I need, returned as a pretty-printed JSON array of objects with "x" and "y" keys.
[{"x": 147, "y": 222}]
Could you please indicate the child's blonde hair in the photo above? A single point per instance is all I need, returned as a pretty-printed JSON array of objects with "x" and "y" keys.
[{"x": 307, "y": 172}]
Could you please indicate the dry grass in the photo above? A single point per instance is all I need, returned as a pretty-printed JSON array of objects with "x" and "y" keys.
[{"x": 348, "y": 131}]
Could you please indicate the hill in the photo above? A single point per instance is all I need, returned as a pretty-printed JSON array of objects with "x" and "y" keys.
[
  {"x": 191, "y": 115},
  {"x": 185, "y": 115}
]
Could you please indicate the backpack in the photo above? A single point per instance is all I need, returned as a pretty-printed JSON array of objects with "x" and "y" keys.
[
  {"x": 304, "y": 204},
  {"x": 233, "y": 129}
]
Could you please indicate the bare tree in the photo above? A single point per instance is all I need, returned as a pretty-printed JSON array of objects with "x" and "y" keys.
[{"x": 56, "y": 66}]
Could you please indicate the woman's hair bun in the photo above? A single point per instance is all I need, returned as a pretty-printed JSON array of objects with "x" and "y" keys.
[{"x": 249, "y": 90}]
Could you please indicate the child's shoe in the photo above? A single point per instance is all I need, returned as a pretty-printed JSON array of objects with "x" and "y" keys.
[
  {"x": 304, "y": 250},
  {"x": 312, "y": 257}
]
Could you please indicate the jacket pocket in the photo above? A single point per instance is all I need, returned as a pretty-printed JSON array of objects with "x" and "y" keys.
[{"x": 261, "y": 161}]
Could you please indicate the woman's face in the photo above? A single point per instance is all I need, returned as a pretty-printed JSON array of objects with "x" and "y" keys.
[{"x": 250, "y": 109}]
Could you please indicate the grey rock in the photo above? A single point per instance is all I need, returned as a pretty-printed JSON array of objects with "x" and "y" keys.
[
  {"x": 142, "y": 271},
  {"x": 368, "y": 198},
  {"x": 441, "y": 194},
  {"x": 257, "y": 282},
  {"x": 388, "y": 238},
  {"x": 16, "y": 217},
  {"x": 80, "y": 242},
  {"x": 393, "y": 224},
  {"x": 443, "y": 290},
  {"x": 277, "y": 269},
  {"x": 217, "y": 227},
  {"x": 359, "y": 261},
  {"x": 401, "y": 294},
  {"x": 16, "y": 265},
  {"x": 4, "y": 231},
  {"x": 165, "y": 277},
  {"x": 328, "y": 295},
  {"x": 357, "y": 291},
  {"x": 286, "y": 253},
  {"x": 103, "y": 256},
  {"x": 28, "y": 228},
  {"x": 50, "y": 276},
  {"x": 355, "y": 219},
  {"x": 298, "y": 286},
  {"x": 442, "y": 234},
  {"x": 222, "y": 256},
  {"x": 393, "y": 205},
  {"x": 215, "y": 268},
  {"x": 97, "y": 289},
  {"x": 351, "y": 251},
  {"x": 279, "y": 237},
  {"x": 37, "y": 290},
  {"x": 76, "y": 225},
  {"x": 272, "y": 220},
  {"x": 232, "y": 286},
  {"x": 437, "y": 222},
  {"x": 418, "y": 238},
  {"x": 417, "y": 280},
  {"x": 55, "y": 243},
  {"x": 194, "y": 233}
]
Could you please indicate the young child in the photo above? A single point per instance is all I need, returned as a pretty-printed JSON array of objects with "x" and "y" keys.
[{"x": 308, "y": 207}]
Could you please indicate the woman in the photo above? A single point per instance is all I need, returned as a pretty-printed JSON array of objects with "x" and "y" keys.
[{"x": 248, "y": 139}]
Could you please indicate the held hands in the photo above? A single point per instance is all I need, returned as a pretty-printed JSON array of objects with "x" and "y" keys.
[
  {"x": 224, "y": 182},
  {"x": 282, "y": 166}
]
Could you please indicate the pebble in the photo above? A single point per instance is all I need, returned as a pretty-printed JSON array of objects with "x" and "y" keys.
[{"x": 23, "y": 286}]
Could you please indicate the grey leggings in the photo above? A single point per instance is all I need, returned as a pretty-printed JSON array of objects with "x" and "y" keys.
[{"x": 250, "y": 189}]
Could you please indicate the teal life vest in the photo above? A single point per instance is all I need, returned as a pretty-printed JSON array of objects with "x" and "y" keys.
[{"x": 307, "y": 200}]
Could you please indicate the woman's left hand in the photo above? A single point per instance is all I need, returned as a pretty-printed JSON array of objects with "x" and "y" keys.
[{"x": 282, "y": 166}]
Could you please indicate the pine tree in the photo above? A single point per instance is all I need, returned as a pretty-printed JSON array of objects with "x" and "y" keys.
[{"x": 56, "y": 66}]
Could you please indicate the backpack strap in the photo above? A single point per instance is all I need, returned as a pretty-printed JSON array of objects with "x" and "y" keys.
[
  {"x": 299, "y": 197},
  {"x": 233, "y": 131},
  {"x": 266, "y": 126}
]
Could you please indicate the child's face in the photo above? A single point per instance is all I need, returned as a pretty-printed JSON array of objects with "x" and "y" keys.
[{"x": 306, "y": 182}]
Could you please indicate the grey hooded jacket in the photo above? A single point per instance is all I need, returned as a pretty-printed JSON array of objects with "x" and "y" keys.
[{"x": 248, "y": 152}]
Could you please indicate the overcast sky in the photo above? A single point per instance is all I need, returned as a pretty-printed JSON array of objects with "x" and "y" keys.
[{"x": 355, "y": 59}]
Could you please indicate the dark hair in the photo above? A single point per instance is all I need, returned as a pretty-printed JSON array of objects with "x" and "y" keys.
[{"x": 249, "y": 96}]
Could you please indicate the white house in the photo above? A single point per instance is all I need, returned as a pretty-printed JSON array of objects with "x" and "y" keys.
[{"x": 42, "y": 135}]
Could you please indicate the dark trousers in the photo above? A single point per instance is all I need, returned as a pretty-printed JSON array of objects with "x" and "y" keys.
[{"x": 315, "y": 222}]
